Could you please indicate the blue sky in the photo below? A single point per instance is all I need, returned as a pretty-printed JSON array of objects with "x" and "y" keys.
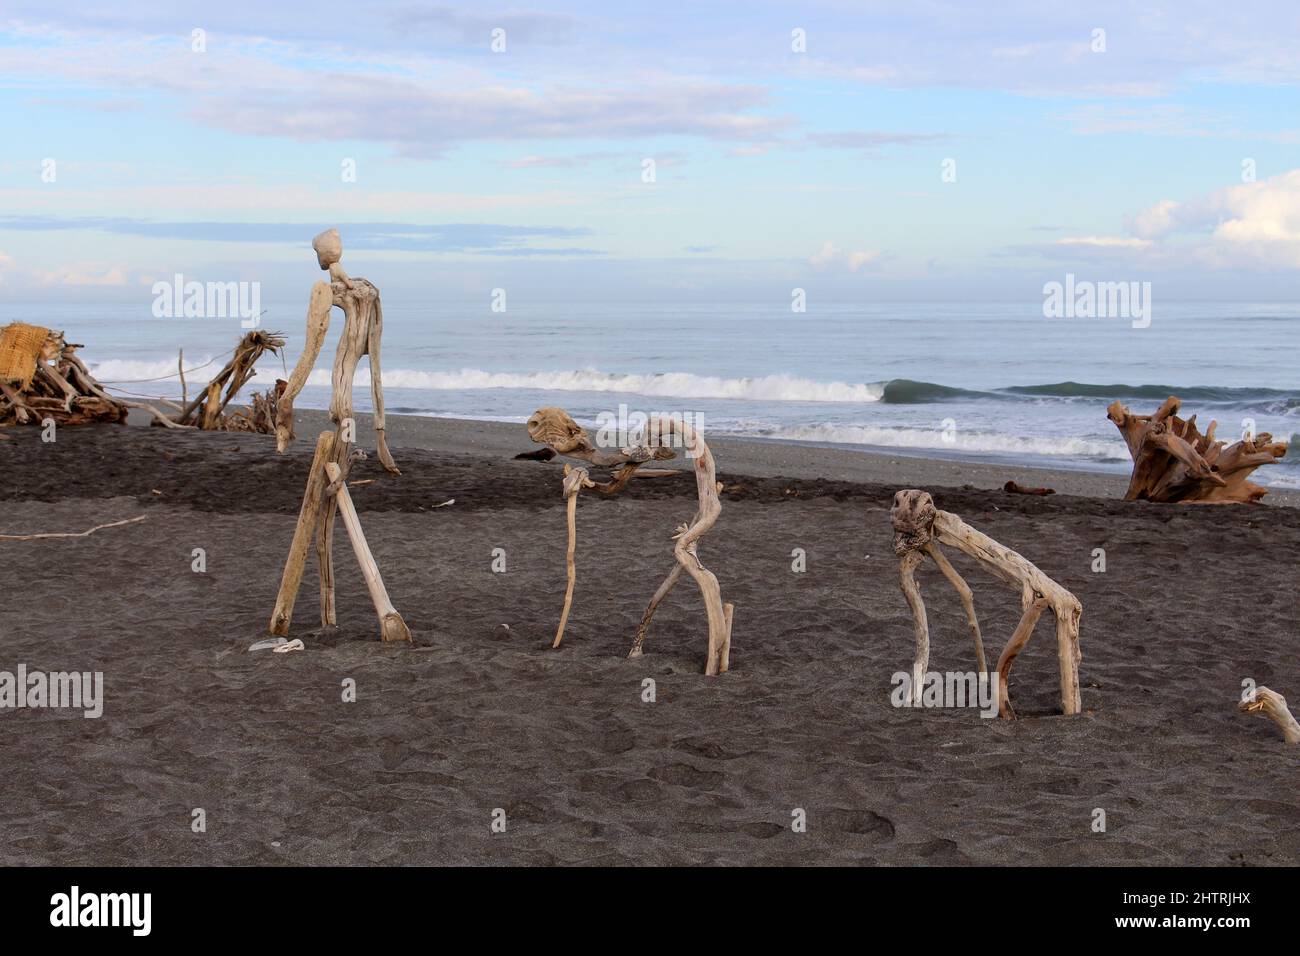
[{"x": 1166, "y": 147}]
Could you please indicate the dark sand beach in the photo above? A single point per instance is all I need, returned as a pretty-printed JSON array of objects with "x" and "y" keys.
[{"x": 481, "y": 714}]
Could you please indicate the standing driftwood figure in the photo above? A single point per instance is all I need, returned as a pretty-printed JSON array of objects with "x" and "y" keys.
[
  {"x": 919, "y": 529},
  {"x": 327, "y": 479},
  {"x": 1172, "y": 461},
  {"x": 362, "y": 327},
  {"x": 553, "y": 427}
]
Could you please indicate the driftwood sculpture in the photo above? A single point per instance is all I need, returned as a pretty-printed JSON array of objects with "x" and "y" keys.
[
  {"x": 41, "y": 377},
  {"x": 326, "y": 489},
  {"x": 1271, "y": 704},
  {"x": 919, "y": 529},
  {"x": 1173, "y": 462},
  {"x": 554, "y": 428},
  {"x": 363, "y": 326}
]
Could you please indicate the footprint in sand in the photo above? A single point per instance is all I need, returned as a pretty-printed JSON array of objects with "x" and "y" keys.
[{"x": 684, "y": 775}]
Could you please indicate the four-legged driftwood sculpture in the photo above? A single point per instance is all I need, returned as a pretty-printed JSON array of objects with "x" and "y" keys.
[
  {"x": 1172, "y": 461},
  {"x": 327, "y": 479},
  {"x": 553, "y": 427},
  {"x": 1271, "y": 704},
  {"x": 919, "y": 529}
]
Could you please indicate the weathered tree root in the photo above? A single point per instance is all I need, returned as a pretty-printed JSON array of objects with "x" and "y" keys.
[
  {"x": 1173, "y": 462},
  {"x": 556, "y": 429},
  {"x": 919, "y": 529},
  {"x": 1271, "y": 704}
]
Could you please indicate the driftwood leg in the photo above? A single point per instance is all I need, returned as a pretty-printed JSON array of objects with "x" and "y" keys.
[
  {"x": 325, "y": 563},
  {"x": 907, "y": 566},
  {"x": 308, "y": 515},
  {"x": 574, "y": 479},
  {"x": 377, "y": 388},
  {"x": 1019, "y": 638},
  {"x": 1067, "y": 650},
  {"x": 967, "y": 600},
  {"x": 639, "y": 641},
  {"x": 391, "y": 625},
  {"x": 325, "y": 541},
  {"x": 728, "y": 612}
]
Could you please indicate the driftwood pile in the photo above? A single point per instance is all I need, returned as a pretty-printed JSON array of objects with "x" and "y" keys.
[
  {"x": 1173, "y": 462},
  {"x": 207, "y": 410},
  {"x": 41, "y": 378}
]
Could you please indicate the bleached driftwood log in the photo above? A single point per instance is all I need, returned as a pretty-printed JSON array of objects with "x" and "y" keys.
[
  {"x": 556, "y": 429},
  {"x": 1271, "y": 704},
  {"x": 919, "y": 529},
  {"x": 363, "y": 327},
  {"x": 1173, "y": 462},
  {"x": 326, "y": 489}
]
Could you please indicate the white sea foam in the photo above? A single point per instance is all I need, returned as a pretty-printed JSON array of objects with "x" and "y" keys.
[
  {"x": 773, "y": 388},
  {"x": 970, "y": 441}
]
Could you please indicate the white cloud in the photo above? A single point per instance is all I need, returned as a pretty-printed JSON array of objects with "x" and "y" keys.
[
  {"x": 829, "y": 256},
  {"x": 85, "y": 275},
  {"x": 1250, "y": 225}
]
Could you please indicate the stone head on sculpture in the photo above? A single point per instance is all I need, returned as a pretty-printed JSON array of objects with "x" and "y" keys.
[
  {"x": 329, "y": 253},
  {"x": 329, "y": 248}
]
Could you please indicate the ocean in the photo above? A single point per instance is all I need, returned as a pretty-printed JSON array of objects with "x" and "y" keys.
[{"x": 992, "y": 382}]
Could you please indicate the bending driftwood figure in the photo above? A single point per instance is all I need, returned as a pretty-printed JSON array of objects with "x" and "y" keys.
[
  {"x": 1271, "y": 704},
  {"x": 363, "y": 326},
  {"x": 1172, "y": 461},
  {"x": 326, "y": 489},
  {"x": 553, "y": 427},
  {"x": 919, "y": 529}
]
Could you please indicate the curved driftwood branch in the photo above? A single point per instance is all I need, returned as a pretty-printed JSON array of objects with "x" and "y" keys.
[
  {"x": 967, "y": 600},
  {"x": 1271, "y": 704},
  {"x": 318, "y": 323},
  {"x": 70, "y": 534},
  {"x": 575, "y": 479}
]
